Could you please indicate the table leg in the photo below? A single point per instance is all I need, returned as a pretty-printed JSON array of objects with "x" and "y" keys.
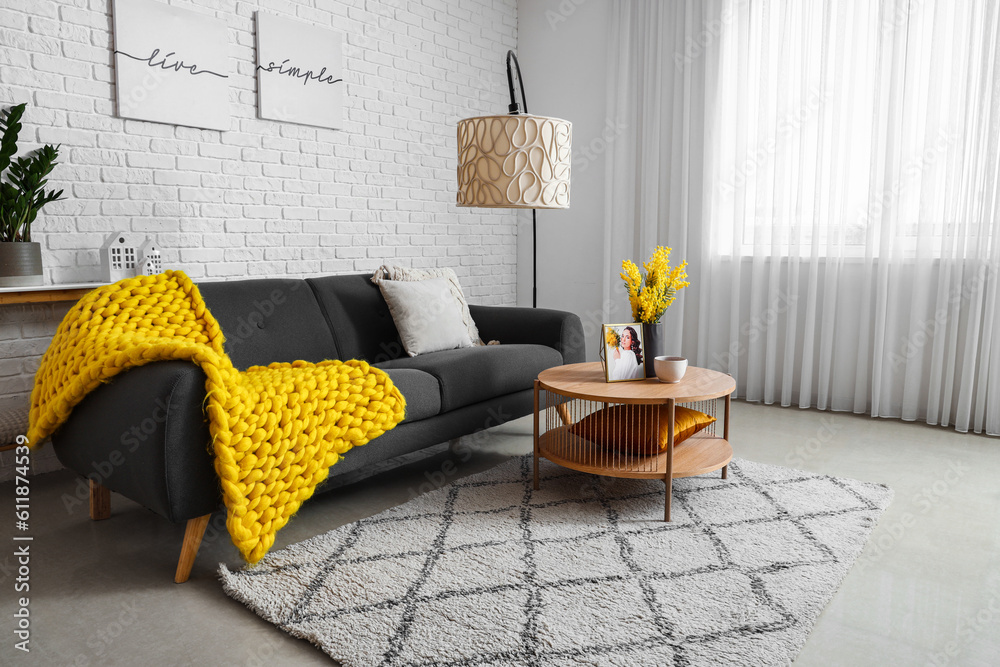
[
  {"x": 725, "y": 435},
  {"x": 725, "y": 424},
  {"x": 535, "y": 448},
  {"x": 669, "y": 478}
]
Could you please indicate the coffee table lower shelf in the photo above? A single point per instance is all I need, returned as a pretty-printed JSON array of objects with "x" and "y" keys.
[{"x": 700, "y": 454}]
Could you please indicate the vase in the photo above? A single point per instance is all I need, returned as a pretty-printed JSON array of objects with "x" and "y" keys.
[
  {"x": 653, "y": 345},
  {"x": 20, "y": 264}
]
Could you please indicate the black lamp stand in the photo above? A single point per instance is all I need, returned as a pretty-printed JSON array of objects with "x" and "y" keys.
[{"x": 513, "y": 109}]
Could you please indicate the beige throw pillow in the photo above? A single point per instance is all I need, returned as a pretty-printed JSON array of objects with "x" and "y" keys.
[
  {"x": 390, "y": 272},
  {"x": 427, "y": 315}
]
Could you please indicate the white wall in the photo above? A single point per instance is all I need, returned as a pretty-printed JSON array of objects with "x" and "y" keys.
[
  {"x": 265, "y": 198},
  {"x": 562, "y": 49}
]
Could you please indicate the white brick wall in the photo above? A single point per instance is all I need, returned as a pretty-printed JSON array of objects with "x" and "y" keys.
[{"x": 265, "y": 198}]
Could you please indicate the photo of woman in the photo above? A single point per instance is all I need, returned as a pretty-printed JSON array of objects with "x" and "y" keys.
[{"x": 623, "y": 351}]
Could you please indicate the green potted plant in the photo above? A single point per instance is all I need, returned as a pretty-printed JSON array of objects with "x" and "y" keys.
[{"x": 22, "y": 196}]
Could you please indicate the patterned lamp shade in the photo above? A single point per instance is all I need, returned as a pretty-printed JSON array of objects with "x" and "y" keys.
[{"x": 516, "y": 161}]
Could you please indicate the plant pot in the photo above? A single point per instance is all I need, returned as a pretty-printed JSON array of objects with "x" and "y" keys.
[
  {"x": 20, "y": 264},
  {"x": 653, "y": 344}
]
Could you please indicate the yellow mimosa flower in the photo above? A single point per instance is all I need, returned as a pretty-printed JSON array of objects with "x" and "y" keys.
[{"x": 649, "y": 297}]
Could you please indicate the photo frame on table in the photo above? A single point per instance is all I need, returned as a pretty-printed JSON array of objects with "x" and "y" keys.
[{"x": 622, "y": 352}]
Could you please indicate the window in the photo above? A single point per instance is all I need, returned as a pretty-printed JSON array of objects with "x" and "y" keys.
[{"x": 851, "y": 126}]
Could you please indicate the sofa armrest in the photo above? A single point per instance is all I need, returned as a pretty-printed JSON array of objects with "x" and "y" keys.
[
  {"x": 555, "y": 328},
  {"x": 145, "y": 435}
]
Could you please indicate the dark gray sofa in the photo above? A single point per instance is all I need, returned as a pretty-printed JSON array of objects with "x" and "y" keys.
[{"x": 144, "y": 434}]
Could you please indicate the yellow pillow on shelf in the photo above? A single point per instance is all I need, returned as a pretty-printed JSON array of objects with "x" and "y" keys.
[{"x": 630, "y": 428}]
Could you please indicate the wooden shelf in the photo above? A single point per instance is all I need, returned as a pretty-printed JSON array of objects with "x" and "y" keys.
[
  {"x": 701, "y": 453},
  {"x": 74, "y": 291},
  {"x": 45, "y": 293}
]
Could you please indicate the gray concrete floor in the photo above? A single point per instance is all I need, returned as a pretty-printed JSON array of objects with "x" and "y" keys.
[{"x": 926, "y": 590}]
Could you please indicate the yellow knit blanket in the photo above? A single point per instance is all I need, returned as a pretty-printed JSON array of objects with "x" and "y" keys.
[{"x": 275, "y": 431}]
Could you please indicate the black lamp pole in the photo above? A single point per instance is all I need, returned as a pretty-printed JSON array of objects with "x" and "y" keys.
[{"x": 514, "y": 110}]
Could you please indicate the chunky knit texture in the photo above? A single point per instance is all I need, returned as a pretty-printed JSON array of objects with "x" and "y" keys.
[{"x": 276, "y": 430}]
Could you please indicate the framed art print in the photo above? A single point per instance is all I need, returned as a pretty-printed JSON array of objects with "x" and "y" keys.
[
  {"x": 171, "y": 65},
  {"x": 622, "y": 351},
  {"x": 299, "y": 72}
]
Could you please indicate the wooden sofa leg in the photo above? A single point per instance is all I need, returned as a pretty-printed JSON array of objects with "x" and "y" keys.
[
  {"x": 564, "y": 414},
  {"x": 192, "y": 540},
  {"x": 100, "y": 501}
]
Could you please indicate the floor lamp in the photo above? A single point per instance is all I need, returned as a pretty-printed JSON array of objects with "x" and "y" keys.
[{"x": 515, "y": 161}]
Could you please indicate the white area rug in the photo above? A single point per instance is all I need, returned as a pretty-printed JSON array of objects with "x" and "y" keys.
[{"x": 487, "y": 571}]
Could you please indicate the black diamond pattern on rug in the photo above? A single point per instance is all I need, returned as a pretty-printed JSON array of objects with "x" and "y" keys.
[{"x": 580, "y": 571}]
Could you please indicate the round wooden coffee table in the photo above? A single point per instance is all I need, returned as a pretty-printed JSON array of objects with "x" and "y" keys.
[{"x": 574, "y": 391}]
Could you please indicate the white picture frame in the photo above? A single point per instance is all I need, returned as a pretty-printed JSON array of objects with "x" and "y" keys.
[
  {"x": 171, "y": 65},
  {"x": 622, "y": 351},
  {"x": 299, "y": 72}
]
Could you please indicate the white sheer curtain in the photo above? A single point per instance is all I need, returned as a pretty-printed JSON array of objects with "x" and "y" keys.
[{"x": 830, "y": 171}]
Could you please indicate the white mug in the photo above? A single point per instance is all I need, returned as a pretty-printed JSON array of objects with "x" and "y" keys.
[{"x": 670, "y": 369}]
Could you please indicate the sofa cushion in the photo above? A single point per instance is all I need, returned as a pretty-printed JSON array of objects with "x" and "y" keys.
[
  {"x": 473, "y": 374},
  {"x": 358, "y": 317},
  {"x": 269, "y": 320},
  {"x": 427, "y": 315},
  {"x": 421, "y": 390}
]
